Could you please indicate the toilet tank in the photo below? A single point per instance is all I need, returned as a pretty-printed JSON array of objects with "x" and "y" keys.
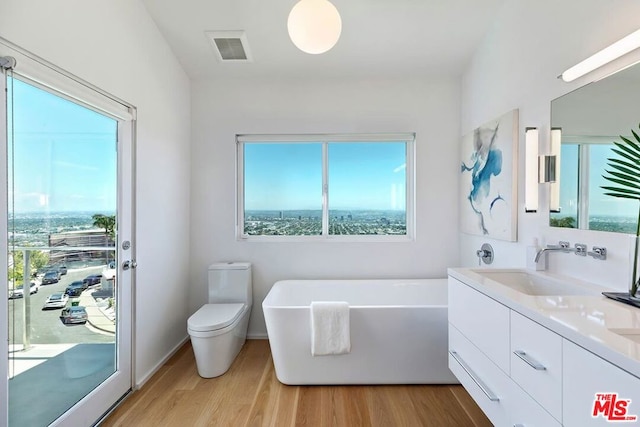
[{"x": 230, "y": 282}]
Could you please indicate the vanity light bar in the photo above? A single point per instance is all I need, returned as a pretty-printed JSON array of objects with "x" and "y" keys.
[
  {"x": 554, "y": 188},
  {"x": 606, "y": 55},
  {"x": 531, "y": 170}
]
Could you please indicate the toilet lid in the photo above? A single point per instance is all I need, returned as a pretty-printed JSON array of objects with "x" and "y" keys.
[{"x": 214, "y": 316}]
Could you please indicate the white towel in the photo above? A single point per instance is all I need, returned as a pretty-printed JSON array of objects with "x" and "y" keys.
[{"x": 330, "y": 328}]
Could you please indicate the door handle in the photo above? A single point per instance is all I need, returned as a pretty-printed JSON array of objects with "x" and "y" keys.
[{"x": 131, "y": 263}]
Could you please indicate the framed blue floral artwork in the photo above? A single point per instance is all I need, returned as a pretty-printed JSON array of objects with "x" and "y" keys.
[{"x": 488, "y": 179}]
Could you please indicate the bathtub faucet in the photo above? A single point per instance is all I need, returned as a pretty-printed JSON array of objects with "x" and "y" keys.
[{"x": 560, "y": 247}]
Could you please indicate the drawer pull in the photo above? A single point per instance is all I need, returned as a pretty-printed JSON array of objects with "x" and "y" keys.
[
  {"x": 530, "y": 361},
  {"x": 518, "y": 425},
  {"x": 490, "y": 395}
]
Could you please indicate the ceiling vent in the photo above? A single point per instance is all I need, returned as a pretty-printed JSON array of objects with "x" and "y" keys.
[{"x": 230, "y": 45}]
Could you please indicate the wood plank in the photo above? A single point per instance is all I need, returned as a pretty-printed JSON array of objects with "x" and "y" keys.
[
  {"x": 473, "y": 411},
  {"x": 274, "y": 404},
  {"x": 309, "y": 411},
  {"x": 437, "y": 406},
  {"x": 388, "y": 406},
  {"x": 249, "y": 394}
]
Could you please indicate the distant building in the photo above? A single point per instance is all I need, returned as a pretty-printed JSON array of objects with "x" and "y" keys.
[{"x": 78, "y": 239}]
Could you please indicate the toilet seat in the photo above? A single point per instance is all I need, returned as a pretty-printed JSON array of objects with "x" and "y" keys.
[{"x": 212, "y": 317}]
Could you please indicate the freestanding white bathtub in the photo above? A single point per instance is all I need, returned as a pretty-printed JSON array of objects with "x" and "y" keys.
[{"x": 398, "y": 332}]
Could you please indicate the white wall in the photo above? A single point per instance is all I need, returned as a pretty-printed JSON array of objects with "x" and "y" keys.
[
  {"x": 117, "y": 47},
  {"x": 516, "y": 66},
  {"x": 222, "y": 109}
]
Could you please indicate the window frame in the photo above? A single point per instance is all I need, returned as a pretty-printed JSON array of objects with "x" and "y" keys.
[
  {"x": 584, "y": 145},
  {"x": 326, "y": 139}
]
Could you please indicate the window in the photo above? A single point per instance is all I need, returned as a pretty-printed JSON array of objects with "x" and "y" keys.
[
  {"x": 325, "y": 186},
  {"x": 583, "y": 203}
]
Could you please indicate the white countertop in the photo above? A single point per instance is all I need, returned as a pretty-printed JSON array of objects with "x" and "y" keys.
[{"x": 587, "y": 320}]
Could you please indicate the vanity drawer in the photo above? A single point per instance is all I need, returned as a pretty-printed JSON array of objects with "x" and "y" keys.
[
  {"x": 504, "y": 403},
  {"x": 484, "y": 321},
  {"x": 536, "y": 362},
  {"x": 482, "y": 379}
]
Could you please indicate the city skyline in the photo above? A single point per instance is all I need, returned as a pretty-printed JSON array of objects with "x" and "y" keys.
[{"x": 309, "y": 222}]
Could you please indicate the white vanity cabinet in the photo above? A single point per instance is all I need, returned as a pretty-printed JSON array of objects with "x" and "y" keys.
[
  {"x": 586, "y": 374},
  {"x": 499, "y": 397},
  {"x": 521, "y": 373},
  {"x": 480, "y": 357}
]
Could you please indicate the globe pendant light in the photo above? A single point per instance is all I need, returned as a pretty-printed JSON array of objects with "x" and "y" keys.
[{"x": 314, "y": 26}]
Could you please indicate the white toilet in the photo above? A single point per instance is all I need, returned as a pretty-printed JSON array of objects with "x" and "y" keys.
[{"x": 219, "y": 329}]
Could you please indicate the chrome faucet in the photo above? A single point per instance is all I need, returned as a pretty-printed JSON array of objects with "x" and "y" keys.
[{"x": 560, "y": 247}]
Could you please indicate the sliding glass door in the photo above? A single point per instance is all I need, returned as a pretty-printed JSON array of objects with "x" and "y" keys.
[{"x": 69, "y": 248}]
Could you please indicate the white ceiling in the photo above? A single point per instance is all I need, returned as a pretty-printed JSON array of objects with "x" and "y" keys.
[{"x": 379, "y": 37}]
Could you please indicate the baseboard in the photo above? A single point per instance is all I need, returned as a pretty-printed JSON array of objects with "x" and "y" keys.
[
  {"x": 160, "y": 364},
  {"x": 258, "y": 336}
]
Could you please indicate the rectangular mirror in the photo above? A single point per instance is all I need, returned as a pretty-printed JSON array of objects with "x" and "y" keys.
[{"x": 591, "y": 118}]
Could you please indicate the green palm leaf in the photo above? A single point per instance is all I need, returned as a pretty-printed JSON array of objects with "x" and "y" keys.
[
  {"x": 633, "y": 157},
  {"x": 621, "y": 196},
  {"x": 631, "y": 143},
  {"x": 622, "y": 191},
  {"x": 624, "y": 175},
  {"x": 628, "y": 185},
  {"x": 624, "y": 167},
  {"x": 632, "y": 150},
  {"x": 624, "y": 171}
]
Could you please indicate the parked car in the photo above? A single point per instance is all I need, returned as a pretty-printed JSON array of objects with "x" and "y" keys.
[
  {"x": 75, "y": 288},
  {"x": 57, "y": 300},
  {"x": 18, "y": 291},
  {"x": 74, "y": 314},
  {"x": 51, "y": 276},
  {"x": 93, "y": 280},
  {"x": 61, "y": 268}
]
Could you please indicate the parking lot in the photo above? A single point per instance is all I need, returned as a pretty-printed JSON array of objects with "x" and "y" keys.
[{"x": 46, "y": 326}]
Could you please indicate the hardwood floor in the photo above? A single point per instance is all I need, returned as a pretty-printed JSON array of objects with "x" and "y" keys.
[{"x": 249, "y": 394}]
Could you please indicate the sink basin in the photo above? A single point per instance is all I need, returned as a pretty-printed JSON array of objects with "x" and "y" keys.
[{"x": 535, "y": 284}]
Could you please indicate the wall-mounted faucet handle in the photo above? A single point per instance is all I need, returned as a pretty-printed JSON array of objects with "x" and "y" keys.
[
  {"x": 598, "y": 253},
  {"x": 581, "y": 249},
  {"x": 485, "y": 254},
  {"x": 562, "y": 245}
]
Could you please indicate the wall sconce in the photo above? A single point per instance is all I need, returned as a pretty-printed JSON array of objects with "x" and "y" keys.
[
  {"x": 531, "y": 170},
  {"x": 554, "y": 188},
  {"x": 314, "y": 26},
  {"x": 606, "y": 55},
  {"x": 541, "y": 170}
]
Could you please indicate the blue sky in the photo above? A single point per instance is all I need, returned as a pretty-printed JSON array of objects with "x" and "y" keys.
[
  {"x": 289, "y": 176},
  {"x": 64, "y": 155},
  {"x": 599, "y": 204}
]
